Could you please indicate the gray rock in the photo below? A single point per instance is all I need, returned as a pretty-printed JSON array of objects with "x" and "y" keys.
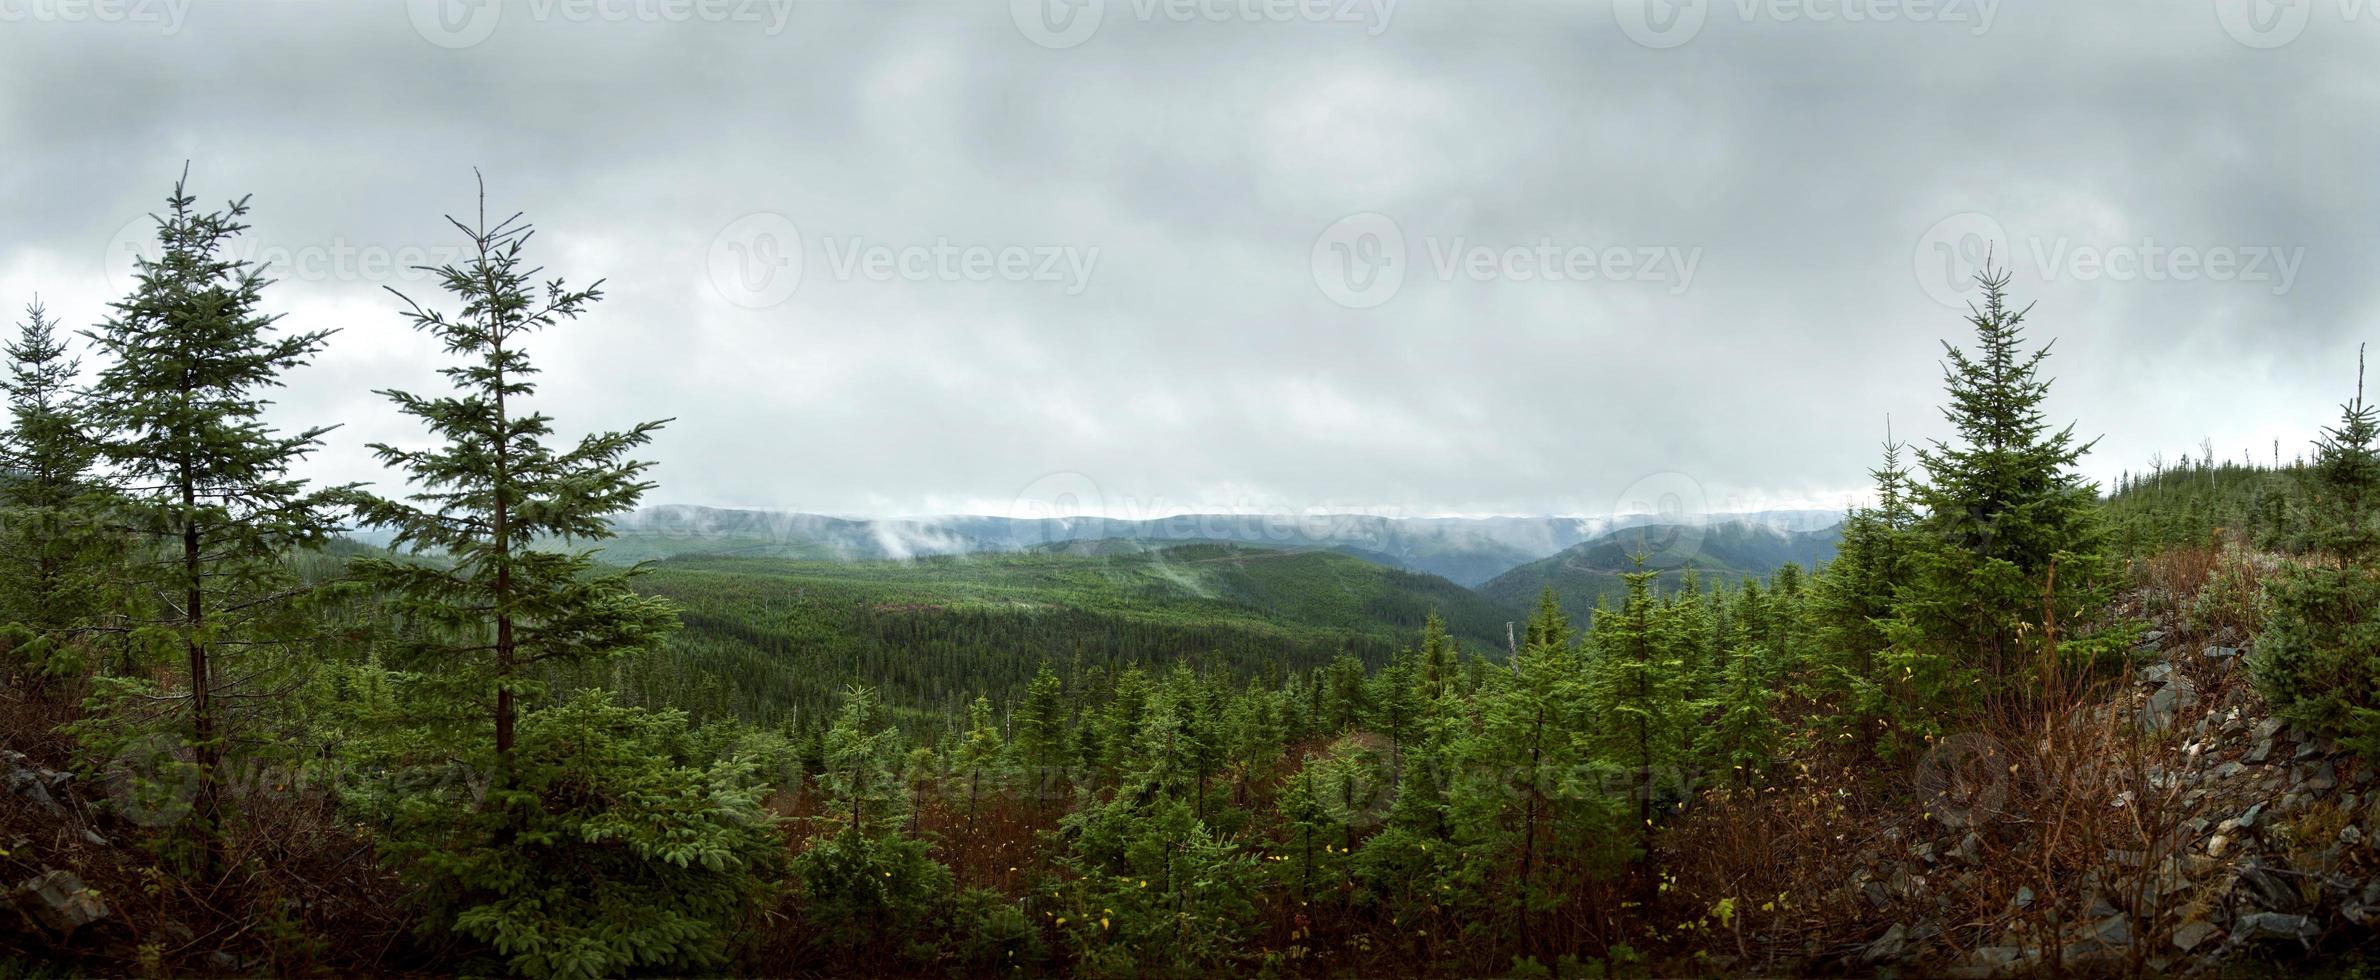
[
  {"x": 2190, "y": 934},
  {"x": 2325, "y": 777},
  {"x": 2154, "y": 674},
  {"x": 2273, "y": 925},
  {"x": 1999, "y": 957},
  {"x": 2263, "y": 750},
  {"x": 2265, "y": 888},
  {"x": 32, "y": 783},
  {"x": 2219, "y": 653},
  {"x": 2158, "y": 714},
  {"x": 2115, "y": 930},
  {"x": 2248, "y": 819},
  {"x": 59, "y": 900},
  {"x": 1894, "y": 943},
  {"x": 2024, "y": 896},
  {"x": 1970, "y": 849}
]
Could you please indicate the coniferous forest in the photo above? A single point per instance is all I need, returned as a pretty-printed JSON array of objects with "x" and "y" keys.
[
  {"x": 1099, "y": 489},
  {"x": 2010, "y": 725}
]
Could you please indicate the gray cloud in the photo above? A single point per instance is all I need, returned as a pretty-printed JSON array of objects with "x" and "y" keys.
[{"x": 1202, "y": 153}]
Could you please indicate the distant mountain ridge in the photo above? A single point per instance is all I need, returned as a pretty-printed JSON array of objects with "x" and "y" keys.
[
  {"x": 1720, "y": 554},
  {"x": 1469, "y": 551}
]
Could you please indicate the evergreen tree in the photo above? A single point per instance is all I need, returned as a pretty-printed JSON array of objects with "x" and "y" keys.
[
  {"x": 491, "y": 488},
  {"x": 2318, "y": 660},
  {"x": 589, "y": 884},
  {"x": 867, "y": 887},
  {"x": 201, "y": 480},
  {"x": 1258, "y": 734},
  {"x": 1639, "y": 690},
  {"x": 1743, "y": 733},
  {"x": 861, "y": 780},
  {"x": 1851, "y": 602},
  {"x": 2003, "y": 503},
  {"x": 1438, "y": 658},
  {"x": 49, "y": 542},
  {"x": 980, "y": 759},
  {"x": 1041, "y": 735},
  {"x": 1548, "y": 625},
  {"x": 1526, "y": 807}
]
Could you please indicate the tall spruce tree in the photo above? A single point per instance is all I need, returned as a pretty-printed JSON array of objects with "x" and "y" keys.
[
  {"x": 1639, "y": 689},
  {"x": 201, "y": 479},
  {"x": 48, "y": 537},
  {"x": 1742, "y": 736},
  {"x": 2004, "y": 502},
  {"x": 490, "y": 490}
]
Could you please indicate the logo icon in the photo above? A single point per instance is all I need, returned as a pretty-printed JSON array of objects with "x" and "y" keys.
[
  {"x": 1055, "y": 506},
  {"x": 2264, "y": 24},
  {"x": 1057, "y": 24},
  {"x": 455, "y": 23},
  {"x": 1965, "y": 778},
  {"x": 153, "y": 781},
  {"x": 1359, "y": 261},
  {"x": 756, "y": 262},
  {"x": 1663, "y": 518},
  {"x": 1950, "y": 254},
  {"x": 1661, "y": 24},
  {"x": 135, "y": 241}
]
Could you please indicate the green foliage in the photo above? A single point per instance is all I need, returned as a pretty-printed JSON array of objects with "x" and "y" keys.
[
  {"x": 203, "y": 483},
  {"x": 1719, "y": 554},
  {"x": 1640, "y": 690},
  {"x": 2009, "y": 548},
  {"x": 619, "y": 849},
  {"x": 866, "y": 896},
  {"x": 1743, "y": 736},
  {"x": 53, "y": 588},
  {"x": 1149, "y": 890},
  {"x": 2318, "y": 660},
  {"x": 770, "y": 639},
  {"x": 1853, "y": 603},
  {"x": 861, "y": 776},
  {"x": 491, "y": 606}
]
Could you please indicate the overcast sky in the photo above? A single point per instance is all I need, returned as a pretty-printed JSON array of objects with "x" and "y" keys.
[{"x": 1385, "y": 257}]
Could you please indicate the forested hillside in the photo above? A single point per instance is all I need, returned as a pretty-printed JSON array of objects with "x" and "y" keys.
[
  {"x": 769, "y": 640},
  {"x": 2010, "y": 726},
  {"x": 1718, "y": 555}
]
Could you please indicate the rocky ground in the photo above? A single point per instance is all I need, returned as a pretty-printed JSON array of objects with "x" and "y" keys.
[{"x": 2226, "y": 841}]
